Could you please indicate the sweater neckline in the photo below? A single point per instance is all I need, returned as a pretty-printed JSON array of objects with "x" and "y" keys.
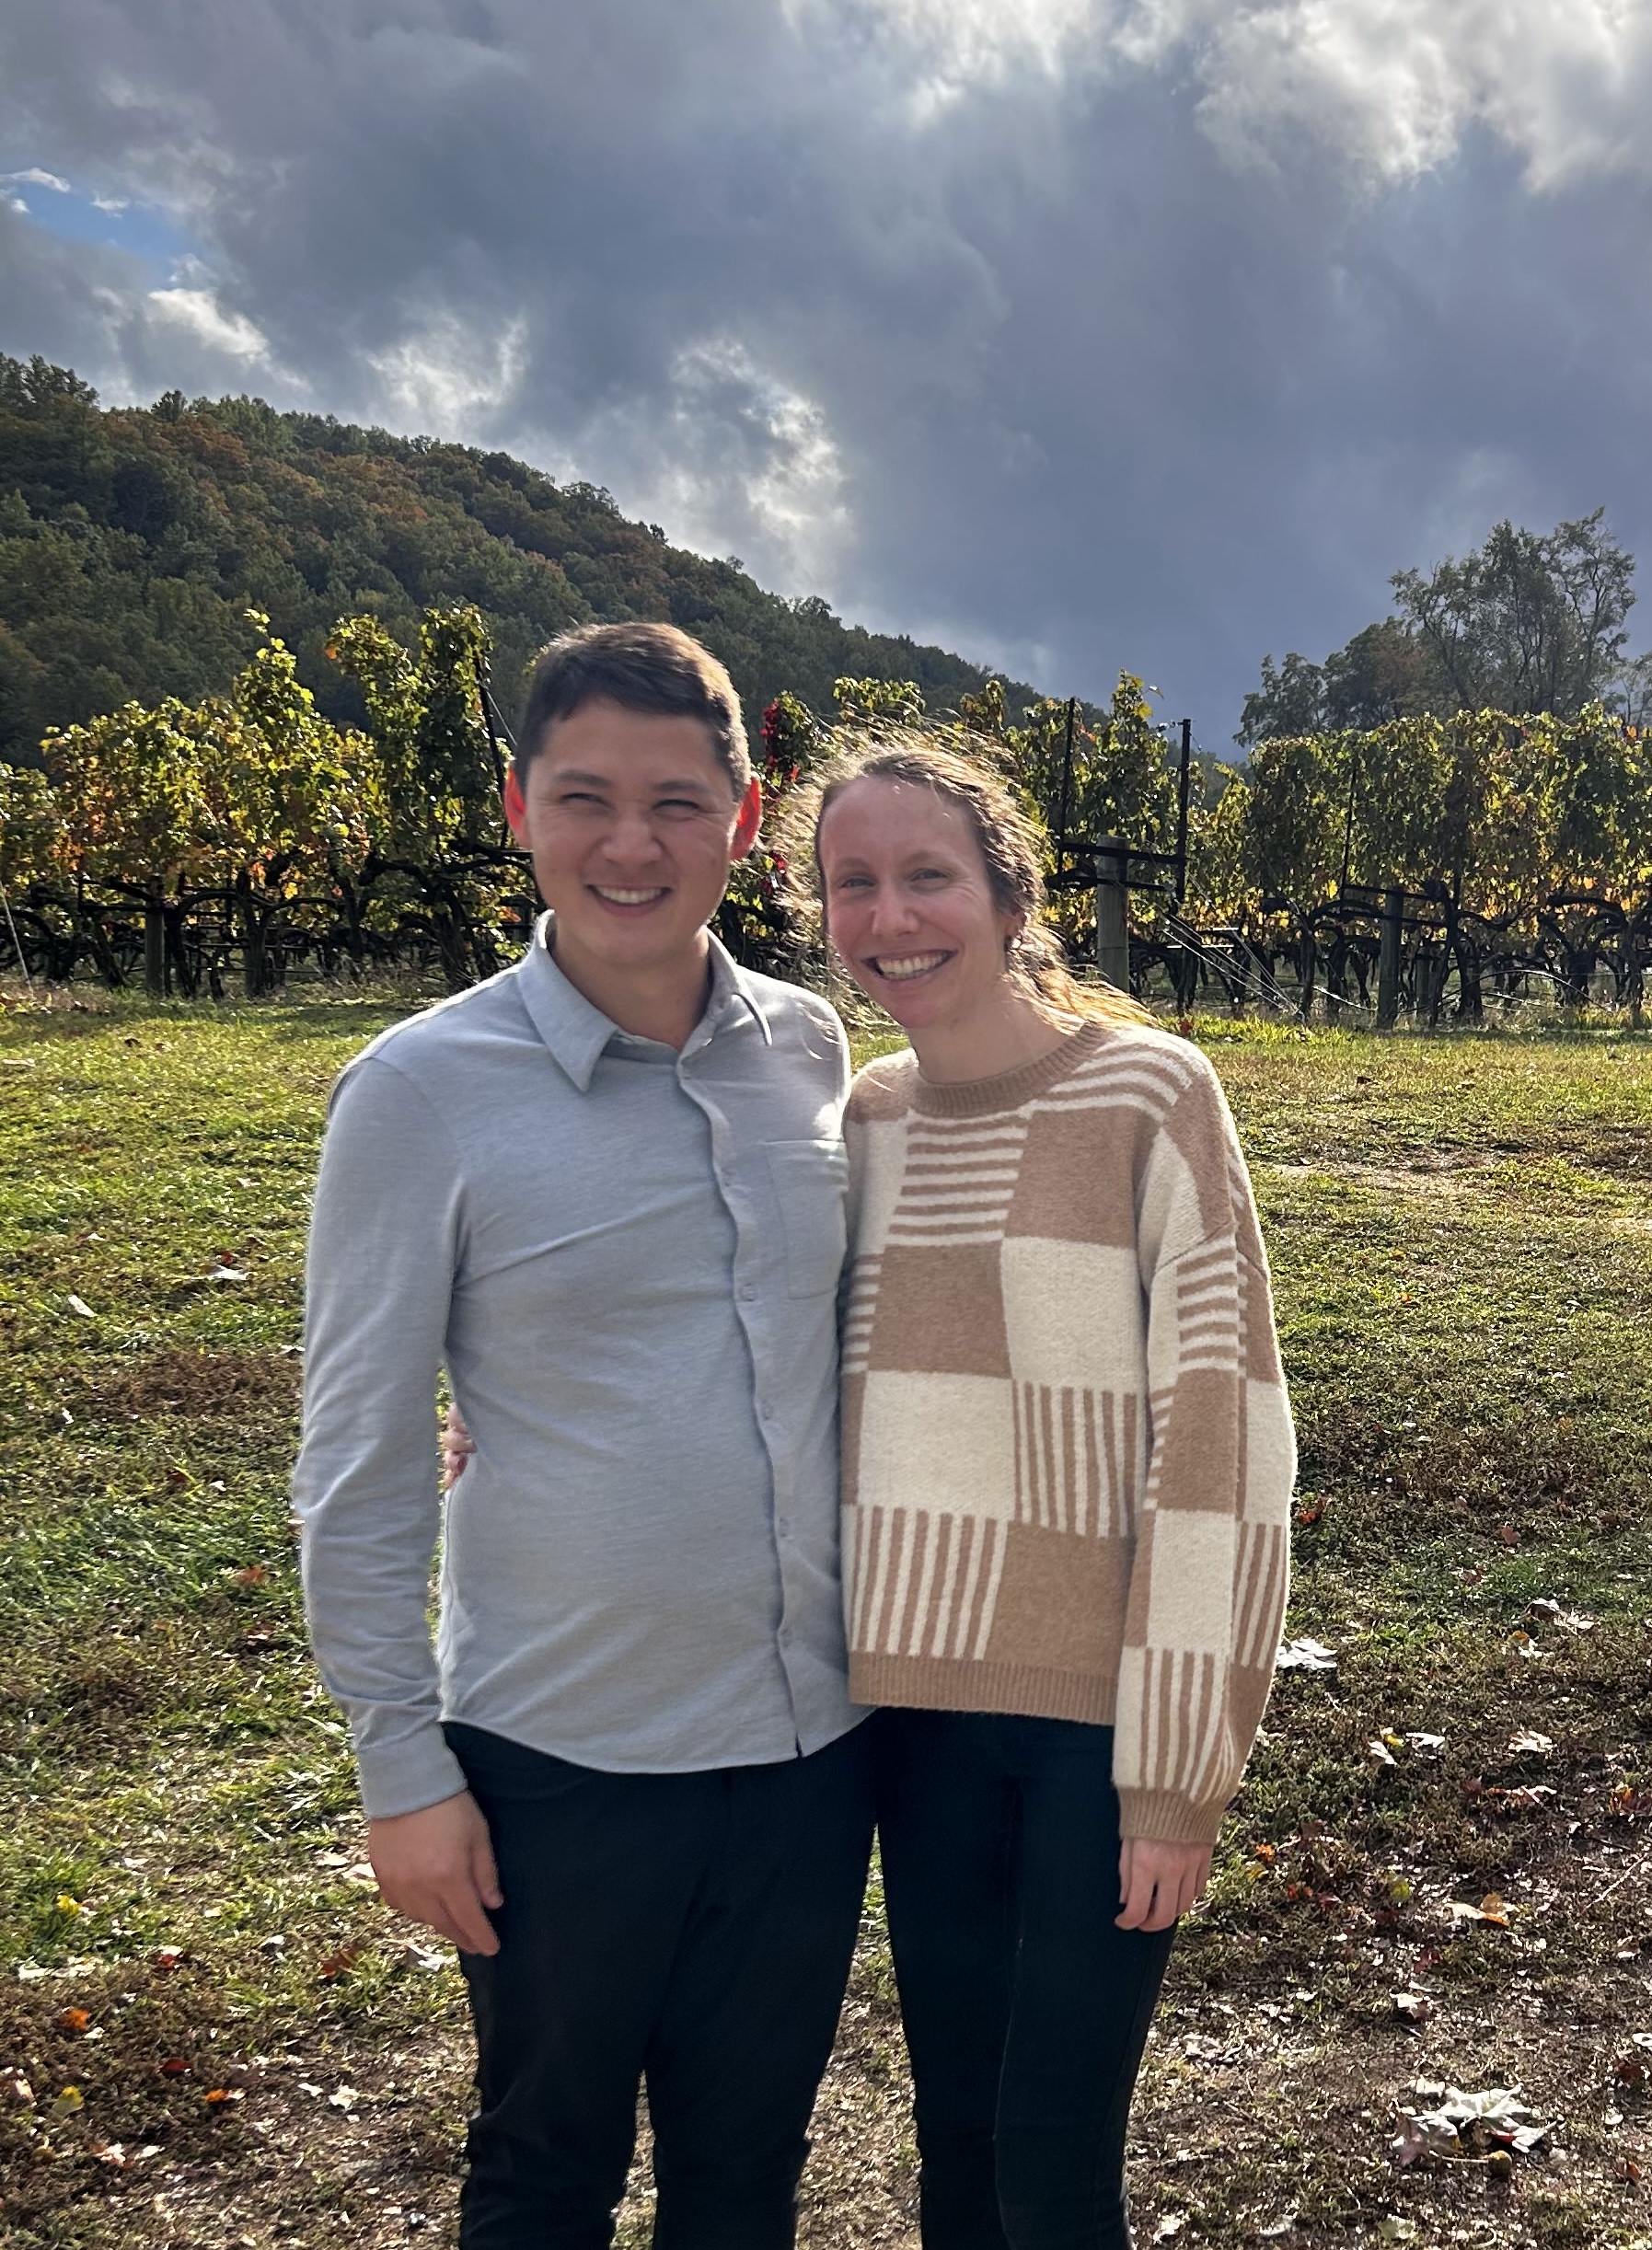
[{"x": 1010, "y": 1089}]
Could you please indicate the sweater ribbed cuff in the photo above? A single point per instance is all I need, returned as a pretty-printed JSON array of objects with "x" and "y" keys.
[{"x": 1150, "y": 1816}]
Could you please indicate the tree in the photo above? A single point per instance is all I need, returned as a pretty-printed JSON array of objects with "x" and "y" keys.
[
  {"x": 1529, "y": 622},
  {"x": 1291, "y": 700}
]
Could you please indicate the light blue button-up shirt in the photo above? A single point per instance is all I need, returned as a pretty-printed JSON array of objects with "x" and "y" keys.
[{"x": 627, "y": 1258}]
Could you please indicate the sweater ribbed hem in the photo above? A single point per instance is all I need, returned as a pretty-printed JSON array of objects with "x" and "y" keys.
[
  {"x": 943, "y": 1683},
  {"x": 1149, "y": 1816},
  {"x": 986, "y": 1097}
]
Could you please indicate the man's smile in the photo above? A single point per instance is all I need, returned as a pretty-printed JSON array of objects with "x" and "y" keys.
[{"x": 612, "y": 896}]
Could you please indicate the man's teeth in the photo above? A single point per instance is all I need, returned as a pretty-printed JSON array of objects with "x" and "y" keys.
[
  {"x": 626, "y": 898},
  {"x": 915, "y": 964}
]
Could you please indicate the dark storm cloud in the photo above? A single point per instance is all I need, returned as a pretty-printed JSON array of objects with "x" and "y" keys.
[{"x": 1073, "y": 335}]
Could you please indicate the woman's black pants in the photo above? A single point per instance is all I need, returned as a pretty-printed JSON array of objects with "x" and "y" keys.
[
  {"x": 1026, "y": 2008},
  {"x": 692, "y": 1931}
]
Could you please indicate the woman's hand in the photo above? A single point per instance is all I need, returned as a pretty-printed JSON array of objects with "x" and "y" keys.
[
  {"x": 458, "y": 1446},
  {"x": 1158, "y": 1882}
]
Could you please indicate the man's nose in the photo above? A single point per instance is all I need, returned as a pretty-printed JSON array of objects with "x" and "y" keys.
[{"x": 631, "y": 835}]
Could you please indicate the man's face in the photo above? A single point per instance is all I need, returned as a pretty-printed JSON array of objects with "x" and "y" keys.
[{"x": 632, "y": 826}]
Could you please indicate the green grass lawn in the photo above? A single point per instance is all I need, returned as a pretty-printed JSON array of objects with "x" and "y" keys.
[{"x": 211, "y": 2034}]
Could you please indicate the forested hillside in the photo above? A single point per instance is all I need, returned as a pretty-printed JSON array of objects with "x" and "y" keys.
[{"x": 133, "y": 540}]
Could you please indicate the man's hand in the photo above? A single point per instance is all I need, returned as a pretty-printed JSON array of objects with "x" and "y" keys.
[
  {"x": 1158, "y": 1882},
  {"x": 436, "y": 1866}
]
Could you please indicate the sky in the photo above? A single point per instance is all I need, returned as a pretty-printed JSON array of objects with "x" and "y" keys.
[{"x": 1076, "y": 335}]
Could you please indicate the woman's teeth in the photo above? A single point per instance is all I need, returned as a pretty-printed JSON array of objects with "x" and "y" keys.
[
  {"x": 914, "y": 964},
  {"x": 626, "y": 898}
]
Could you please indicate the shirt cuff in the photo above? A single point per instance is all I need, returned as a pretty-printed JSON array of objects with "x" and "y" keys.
[{"x": 406, "y": 1776}]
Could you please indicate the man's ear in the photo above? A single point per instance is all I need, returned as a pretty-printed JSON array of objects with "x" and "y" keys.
[
  {"x": 749, "y": 827},
  {"x": 515, "y": 807}
]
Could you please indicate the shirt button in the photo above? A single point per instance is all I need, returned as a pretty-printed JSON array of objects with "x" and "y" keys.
[
  {"x": 785, "y": 1637},
  {"x": 747, "y": 1291},
  {"x": 784, "y": 1527}
]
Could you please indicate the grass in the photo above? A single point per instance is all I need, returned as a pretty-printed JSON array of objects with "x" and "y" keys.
[{"x": 1460, "y": 1229}]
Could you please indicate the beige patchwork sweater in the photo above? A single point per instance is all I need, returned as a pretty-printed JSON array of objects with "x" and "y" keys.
[{"x": 1068, "y": 1450}]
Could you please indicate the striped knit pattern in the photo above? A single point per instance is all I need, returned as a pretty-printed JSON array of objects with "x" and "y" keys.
[{"x": 1068, "y": 1451}]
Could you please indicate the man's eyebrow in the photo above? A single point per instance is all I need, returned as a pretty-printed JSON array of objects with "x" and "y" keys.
[{"x": 567, "y": 776}]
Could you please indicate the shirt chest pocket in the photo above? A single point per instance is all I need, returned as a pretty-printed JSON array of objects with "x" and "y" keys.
[{"x": 810, "y": 1186}]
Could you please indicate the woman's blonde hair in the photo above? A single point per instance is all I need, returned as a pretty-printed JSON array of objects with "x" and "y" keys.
[{"x": 1010, "y": 846}]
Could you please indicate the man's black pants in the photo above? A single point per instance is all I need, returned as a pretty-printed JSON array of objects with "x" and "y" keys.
[
  {"x": 688, "y": 1930},
  {"x": 1026, "y": 2008}
]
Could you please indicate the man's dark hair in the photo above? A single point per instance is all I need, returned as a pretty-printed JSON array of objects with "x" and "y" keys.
[{"x": 651, "y": 668}]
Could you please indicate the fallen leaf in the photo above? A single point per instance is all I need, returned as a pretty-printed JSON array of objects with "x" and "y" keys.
[
  {"x": 1525, "y": 1744},
  {"x": 1569, "y": 1621},
  {"x": 73, "y": 2019},
  {"x": 1508, "y": 1535},
  {"x": 68, "y": 2102},
  {"x": 1378, "y": 1751},
  {"x": 1305, "y": 1656},
  {"x": 16, "y": 2088},
  {"x": 1490, "y": 1909},
  {"x": 175, "y": 2066},
  {"x": 343, "y": 2097},
  {"x": 1412, "y": 2007},
  {"x": 166, "y": 1958},
  {"x": 217, "y": 2096},
  {"x": 336, "y": 1963},
  {"x": 1426, "y": 1746},
  {"x": 68, "y": 1904},
  {"x": 80, "y": 1305}
]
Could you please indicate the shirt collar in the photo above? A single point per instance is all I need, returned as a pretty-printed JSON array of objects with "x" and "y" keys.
[{"x": 576, "y": 1031}]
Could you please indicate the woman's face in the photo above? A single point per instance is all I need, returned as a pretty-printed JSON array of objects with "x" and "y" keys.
[{"x": 909, "y": 904}]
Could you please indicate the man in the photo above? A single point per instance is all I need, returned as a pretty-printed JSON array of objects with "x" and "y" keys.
[{"x": 603, "y": 1189}]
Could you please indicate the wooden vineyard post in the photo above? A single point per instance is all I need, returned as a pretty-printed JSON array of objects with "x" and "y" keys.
[
  {"x": 1112, "y": 905},
  {"x": 1388, "y": 959}
]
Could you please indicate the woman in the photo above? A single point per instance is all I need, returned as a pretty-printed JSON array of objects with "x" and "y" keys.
[{"x": 1068, "y": 1461}]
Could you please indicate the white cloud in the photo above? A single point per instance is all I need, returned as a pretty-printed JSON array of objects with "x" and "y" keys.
[
  {"x": 35, "y": 178},
  {"x": 444, "y": 377},
  {"x": 733, "y": 459},
  {"x": 200, "y": 311},
  {"x": 1396, "y": 84},
  {"x": 1392, "y": 86},
  {"x": 113, "y": 204}
]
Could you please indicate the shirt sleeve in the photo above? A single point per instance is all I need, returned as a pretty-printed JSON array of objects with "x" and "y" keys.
[
  {"x": 383, "y": 1248},
  {"x": 1211, "y": 1566}
]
